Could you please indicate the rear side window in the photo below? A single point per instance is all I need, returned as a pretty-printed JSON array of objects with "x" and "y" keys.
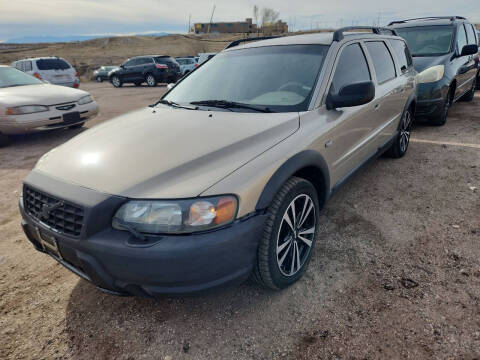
[
  {"x": 28, "y": 66},
  {"x": 461, "y": 38},
  {"x": 470, "y": 34},
  {"x": 382, "y": 61},
  {"x": 163, "y": 59},
  {"x": 144, "y": 61},
  {"x": 52, "y": 64},
  {"x": 351, "y": 68},
  {"x": 403, "y": 55}
]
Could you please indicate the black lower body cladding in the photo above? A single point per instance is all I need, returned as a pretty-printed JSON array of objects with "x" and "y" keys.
[{"x": 117, "y": 262}]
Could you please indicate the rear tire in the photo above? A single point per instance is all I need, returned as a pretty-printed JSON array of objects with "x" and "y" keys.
[
  {"x": 400, "y": 144},
  {"x": 441, "y": 119},
  {"x": 469, "y": 95},
  {"x": 150, "y": 79},
  {"x": 138, "y": 83},
  {"x": 287, "y": 245},
  {"x": 77, "y": 126},
  {"x": 116, "y": 81},
  {"x": 4, "y": 140}
]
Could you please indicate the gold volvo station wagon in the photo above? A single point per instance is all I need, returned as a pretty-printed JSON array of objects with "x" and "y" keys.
[{"x": 225, "y": 176}]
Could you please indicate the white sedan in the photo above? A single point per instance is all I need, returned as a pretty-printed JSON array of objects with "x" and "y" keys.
[{"x": 28, "y": 104}]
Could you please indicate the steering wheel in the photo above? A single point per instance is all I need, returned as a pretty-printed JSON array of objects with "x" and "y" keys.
[{"x": 290, "y": 85}]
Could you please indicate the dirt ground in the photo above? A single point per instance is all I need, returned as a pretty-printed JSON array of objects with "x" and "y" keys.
[{"x": 396, "y": 273}]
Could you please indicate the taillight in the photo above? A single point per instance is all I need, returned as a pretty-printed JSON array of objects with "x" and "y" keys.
[
  {"x": 75, "y": 85},
  {"x": 196, "y": 65},
  {"x": 161, "y": 66},
  {"x": 37, "y": 75}
]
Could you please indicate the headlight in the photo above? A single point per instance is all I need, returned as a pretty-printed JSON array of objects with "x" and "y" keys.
[
  {"x": 27, "y": 109},
  {"x": 85, "y": 100},
  {"x": 175, "y": 217},
  {"x": 431, "y": 74}
]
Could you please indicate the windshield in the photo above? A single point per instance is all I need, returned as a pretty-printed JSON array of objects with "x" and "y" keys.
[
  {"x": 52, "y": 64},
  {"x": 281, "y": 78},
  {"x": 13, "y": 77},
  {"x": 428, "y": 40}
]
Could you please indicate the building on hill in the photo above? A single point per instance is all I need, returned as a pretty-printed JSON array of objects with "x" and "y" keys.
[{"x": 246, "y": 27}]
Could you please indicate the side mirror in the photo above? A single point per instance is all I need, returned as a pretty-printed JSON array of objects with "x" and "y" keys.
[
  {"x": 122, "y": 66},
  {"x": 471, "y": 49},
  {"x": 352, "y": 95},
  {"x": 170, "y": 86}
]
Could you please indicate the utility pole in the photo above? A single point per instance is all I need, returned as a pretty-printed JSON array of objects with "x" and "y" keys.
[
  {"x": 211, "y": 18},
  {"x": 189, "y": 21}
]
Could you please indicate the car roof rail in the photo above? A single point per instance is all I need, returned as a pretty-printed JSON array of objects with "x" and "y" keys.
[
  {"x": 238, "y": 42},
  {"x": 338, "y": 34},
  {"x": 451, "y": 18}
]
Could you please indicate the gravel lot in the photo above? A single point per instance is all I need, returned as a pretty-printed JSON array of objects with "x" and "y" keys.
[{"x": 396, "y": 273}]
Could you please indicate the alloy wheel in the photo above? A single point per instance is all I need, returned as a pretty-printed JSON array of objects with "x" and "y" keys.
[
  {"x": 150, "y": 80},
  {"x": 296, "y": 235},
  {"x": 405, "y": 131},
  {"x": 116, "y": 81}
]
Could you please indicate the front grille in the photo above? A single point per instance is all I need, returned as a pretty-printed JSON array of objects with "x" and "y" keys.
[{"x": 60, "y": 215}]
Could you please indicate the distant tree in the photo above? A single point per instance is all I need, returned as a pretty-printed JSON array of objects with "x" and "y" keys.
[{"x": 269, "y": 16}]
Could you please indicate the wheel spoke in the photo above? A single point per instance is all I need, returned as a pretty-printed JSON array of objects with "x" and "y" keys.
[
  {"x": 292, "y": 266},
  {"x": 298, "y": 256},
  {"x": 304, "y": 217},
  {"x": 307, "y": 231},
  {"x": 284, "y": 245},
  {"x": 282, "y": 259},
  {"x": 305, "y": 240},
  {"x": 294, "y": 214},
  {"x": 286, "y": 217}
]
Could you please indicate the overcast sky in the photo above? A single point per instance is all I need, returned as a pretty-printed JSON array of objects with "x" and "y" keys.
[{"x": 91, "y": 17}]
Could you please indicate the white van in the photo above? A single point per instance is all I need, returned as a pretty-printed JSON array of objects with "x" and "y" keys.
[
  {"x": 202, "y": 57},
  {"x": 55, "y": 70}
]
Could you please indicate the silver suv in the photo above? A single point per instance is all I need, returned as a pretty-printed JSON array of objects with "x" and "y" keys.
[{"x": 226, "y": 175}]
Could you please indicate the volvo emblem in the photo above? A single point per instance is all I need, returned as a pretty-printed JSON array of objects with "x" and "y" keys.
[{"x": 47, "y": 209}]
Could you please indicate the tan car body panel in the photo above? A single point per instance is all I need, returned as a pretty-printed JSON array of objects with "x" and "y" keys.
[
  {"x": 201, "y": 148},
  {"x": 231, "y": 152}
]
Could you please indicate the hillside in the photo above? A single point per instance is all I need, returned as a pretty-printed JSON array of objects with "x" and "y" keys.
[{"x": 87, "y": 55}]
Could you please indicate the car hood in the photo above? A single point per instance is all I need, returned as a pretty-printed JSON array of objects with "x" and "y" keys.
[
  {"x": 42, "y": 94},
  {"x": 165, "y": 152},
  {"x": 421, "y": 63}
]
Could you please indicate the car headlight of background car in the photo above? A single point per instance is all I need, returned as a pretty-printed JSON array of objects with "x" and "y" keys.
[
  {"x": 26, "y": 109},
  {"x": 85, "y": 100},
  {"x": 176, "y": 216},
  {"x": 432, "y": 74}
]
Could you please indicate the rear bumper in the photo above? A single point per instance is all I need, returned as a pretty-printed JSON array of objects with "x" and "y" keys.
[{"x": 117, "y": 262}]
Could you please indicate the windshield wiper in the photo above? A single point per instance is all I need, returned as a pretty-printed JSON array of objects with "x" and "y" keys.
[
  {"x": 225, "y": 104},
  {"x": 172, "y": 104}
]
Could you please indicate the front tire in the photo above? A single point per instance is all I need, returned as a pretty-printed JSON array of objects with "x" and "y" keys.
[
  {"x": 99, "y": 79},
  {"x": 289, "y": 235},
  {"x": 402, "y": 140},
  {"x": 116, "y": 81},
  {"x": 441, "y": 119},
  {"x": 151, "y": 81}
]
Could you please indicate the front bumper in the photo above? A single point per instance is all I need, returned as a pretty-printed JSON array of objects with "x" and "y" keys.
[
  {"x": 117, "y": 262},
  {"x": 431, "y": 98},
  {"x": 48, "y": 120}
]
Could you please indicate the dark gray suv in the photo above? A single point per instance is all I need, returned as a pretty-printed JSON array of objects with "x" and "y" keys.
[{"x": 444, "y": 51}]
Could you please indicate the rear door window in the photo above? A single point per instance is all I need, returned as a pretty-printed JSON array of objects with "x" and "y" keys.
[
  {"x": 403, "y": 55},
  {"x": 52, "y": 64},
  {"x": 351, "y": 68},
  {"x": 382, "y": 61}
]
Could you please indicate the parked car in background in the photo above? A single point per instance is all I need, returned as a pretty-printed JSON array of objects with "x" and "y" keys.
[
  {"x": 443, "y": 50},
  {"x": 28, "y": 104},
  {"x": 151, "y": 69},
  {"x": 102, "y": 72},
  {"x": 55, "y": 70},
  {"x": 205, "y": 57},
  {"x": 224, "y": 176},
  {"x": 187, "y": 64}
]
